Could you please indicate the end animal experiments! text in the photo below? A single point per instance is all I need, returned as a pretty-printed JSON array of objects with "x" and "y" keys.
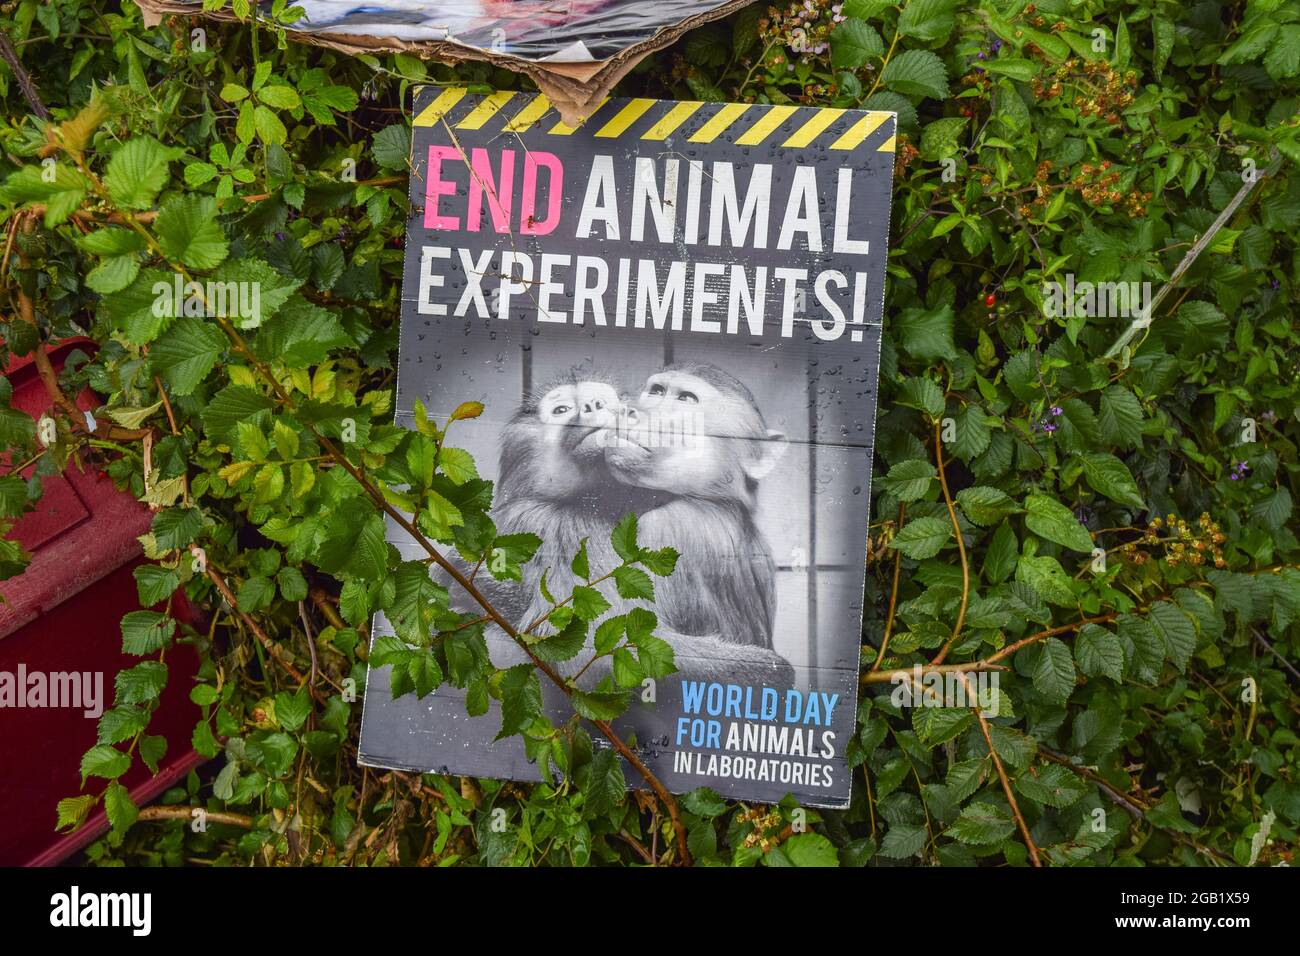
[{"x": 672, "y": 311}]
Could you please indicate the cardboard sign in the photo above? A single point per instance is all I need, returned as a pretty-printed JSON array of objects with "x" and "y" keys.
[
  {"x": 673, "y": 310},
  {"x": 574, "y": 50}
]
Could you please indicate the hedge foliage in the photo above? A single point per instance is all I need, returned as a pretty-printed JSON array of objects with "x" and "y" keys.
[{"x": 1113, "y": 527}]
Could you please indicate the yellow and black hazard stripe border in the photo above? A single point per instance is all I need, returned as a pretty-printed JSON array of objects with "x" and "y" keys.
[{"x": 739, "y": 124}]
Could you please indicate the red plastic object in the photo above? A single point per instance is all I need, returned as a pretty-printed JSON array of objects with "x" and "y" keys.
[{"x": 61, "y": 616}]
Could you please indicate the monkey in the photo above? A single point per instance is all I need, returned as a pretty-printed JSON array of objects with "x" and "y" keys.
[
  {"x": 697, "y": 446},
  {"x": 555, "y": 480}
]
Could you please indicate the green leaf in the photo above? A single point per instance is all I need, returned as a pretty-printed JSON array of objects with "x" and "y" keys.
[
  {"x": 521, "y": 699},
  {"x": 1176, "y": 630},
  {"x": 704, "y": 802},
  {"x": 369, "y": 557},
  {"x": 121, "y": 723},
  {"x": 292, "y": 710},
  {"x": 605, "y": 785},
  {"x": 417, "y": 601},
  {"x": 926, "y": 334},
  {"x": 60, "y": 197},
  {"x": 916, "y": 73},
  {"x": 922, "y": 538},
  {"x": 269, "y": 126},
  {"x": 111, "y": 241},
  {"x": 623, "y": 537},
  {"x": 188, "y": 232},
  {"x": 909, "y": 480},
  {"x": 1099, "y": 653},
  {"x": 1050, "y": 519},
  {"x": 138, "y": 171},
  {"x": 656, "y": 656},
  {"x": 301, "y": 334},
  {"x": 281, "y": 97},
  {"x": 256, "y": 593},
  {"x": 175, "y": 528},
  {"x": 104, "y": 761},
  {"x": 853, "y": 43},
  {"x": 982, "y": 824},
  {"x": 1017, "y": 68},
  {"x": 457, "y": 464},
  {"x": 391, "y": 146},
  {"x": 927, "y": 20},
  {"x": 985, "y": 505},
  {"x": 1120, "y": 419},
  {"x": 1283, "y": 57},
  {"x": 118, "y": 807},
  {"x": 659, "y": 561},
  {"x": 72, "y": 811},
  {"x": 1109, "y": 476},
  {"x": 153, "y": 749},
  {"x": 1054, "y": 673},
  {"x": 146, "y": 632},
  {"x": 922, "y": 394},
  {"x": 1046, "y": 577},
  {"x": 186, "y": 353},
  {"x": 1052, "y": 785},
  {"x": 634, "y": 583},
  {"x": 902, "y": 841},
  {"x": 600, "y": 705},
  {"x": 588, "y": 603},
  {"x": 811, "y": 850}
]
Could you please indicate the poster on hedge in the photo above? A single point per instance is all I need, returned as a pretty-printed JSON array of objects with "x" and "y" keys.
[{"x": 673, "y": 310}]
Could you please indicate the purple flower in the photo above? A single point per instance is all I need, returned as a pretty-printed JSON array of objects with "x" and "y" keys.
[
  {"x": 981, "y": 55},
  {"x": 1057, "y": 411},
  {"x": 997, "y": 45}
]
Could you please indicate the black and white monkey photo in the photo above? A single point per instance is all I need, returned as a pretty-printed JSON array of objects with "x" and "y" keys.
[{"x": 686, "y": 452}]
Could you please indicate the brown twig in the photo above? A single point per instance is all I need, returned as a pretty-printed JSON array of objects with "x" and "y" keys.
[
  {"x": 899, "y": 673},
  {"x": 25, "y": 84},
  {"x": 271, "y": 647},
  {"x": 636, "y": 845},
  {"x": 187, "y": 813},
  {"x": 311, "y": 640},
  {"x": 1050, "y": 632},
  {"x": 893, "y": 594},
  {"x": 961, "y": 547},
  {"x": 1002, "y": 775}
]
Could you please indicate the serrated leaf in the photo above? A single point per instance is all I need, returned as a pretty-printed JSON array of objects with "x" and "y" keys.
[
  {"x": 188, "y": 232},
  {"x": 916, "y": 73},
  {"x": 186, "y": 353},
  {"x": 909, "y": 480},
  {"x": 118, "y": 807},
  {"x": 1109, "y": 476},
  {"x": 982, "y": 824},
  {"x": 922, "y": 538},
  {"x": 105, "y": 761},
  {"x": 146, "y": 632},
  {"x": 1054, "y": 673},
  {"x": 138, "y": 171},
  {"x": 985, "y": 505},
  {"x": 853, "y": 43},
  {"x": 1175, "y": 628},
  {"x": 1099, "y": 653},
  {"x": 1050, "y": 519}
]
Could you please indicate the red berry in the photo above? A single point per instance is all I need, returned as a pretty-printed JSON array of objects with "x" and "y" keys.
[{"x": 990, "y": 299}]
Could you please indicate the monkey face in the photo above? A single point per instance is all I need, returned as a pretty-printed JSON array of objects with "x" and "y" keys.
[
  {"x": 693, "y": 436},
  {"x": 552, "y": 448}
]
